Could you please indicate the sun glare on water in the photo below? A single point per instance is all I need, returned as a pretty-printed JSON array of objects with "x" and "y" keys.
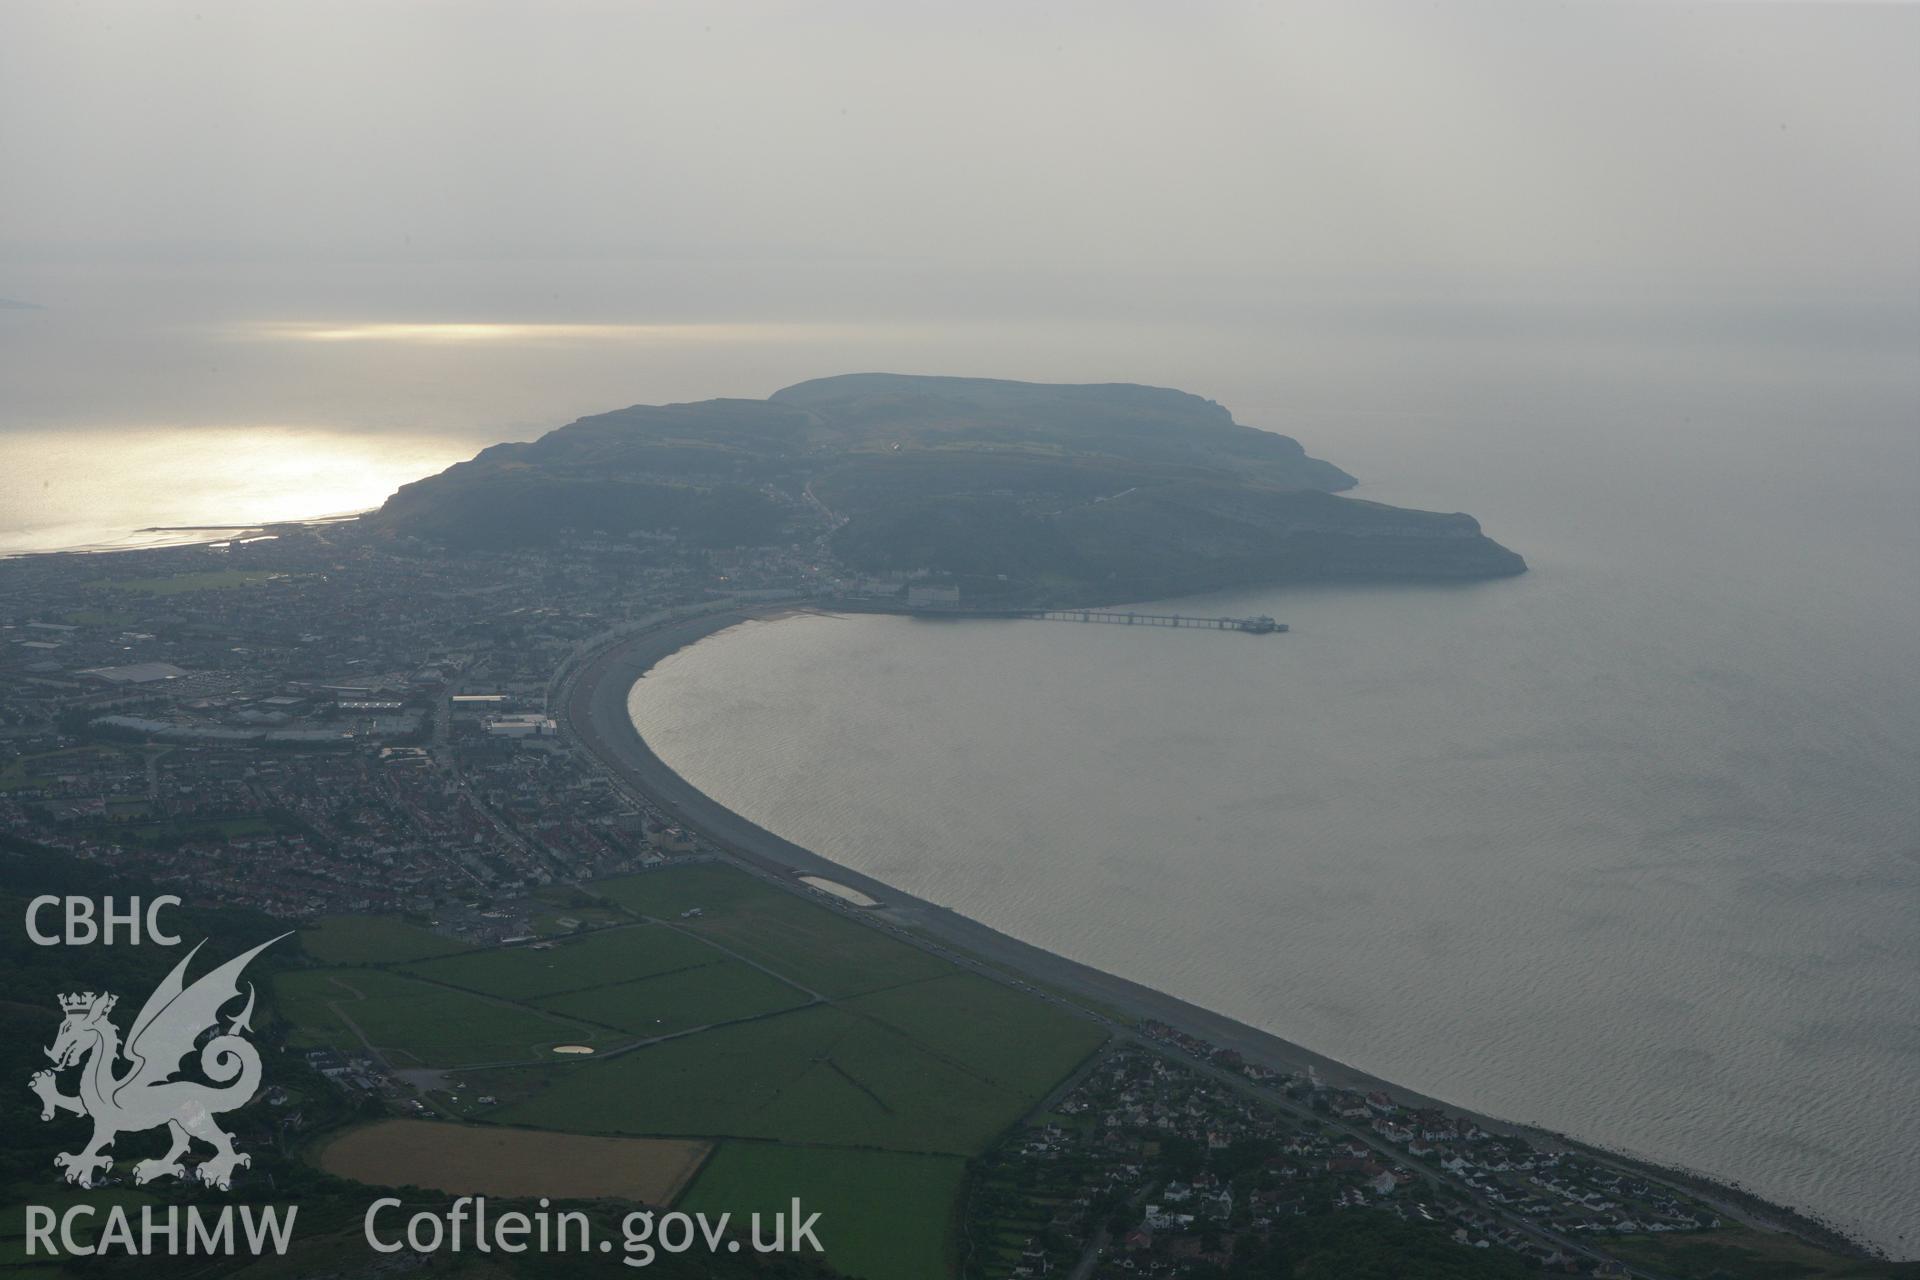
[{"x": 141, "y": 486}]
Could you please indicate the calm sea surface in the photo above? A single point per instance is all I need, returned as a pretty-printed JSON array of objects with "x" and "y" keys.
[{"x": 1629, "y": 846}]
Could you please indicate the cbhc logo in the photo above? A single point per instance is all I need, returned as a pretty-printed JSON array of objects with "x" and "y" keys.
[{"x": 85, "y": 925}]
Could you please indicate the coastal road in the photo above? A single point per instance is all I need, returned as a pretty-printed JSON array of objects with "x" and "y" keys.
[{"x": 592, "y": 707}]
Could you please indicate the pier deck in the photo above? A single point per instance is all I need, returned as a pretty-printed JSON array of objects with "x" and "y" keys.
[{"x": 1260, "y": 626}]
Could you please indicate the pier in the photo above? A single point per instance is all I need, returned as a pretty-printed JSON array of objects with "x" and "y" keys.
[
  {"x": 1260, "y": 626},
  {"x": 1256, "y": 626}
]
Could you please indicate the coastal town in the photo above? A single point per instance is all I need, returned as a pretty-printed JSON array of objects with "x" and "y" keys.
[
  {"x": 1159, "y": 1164},
  {"x": 321, "y": 724},
  {"x": 310, "y": 724}
]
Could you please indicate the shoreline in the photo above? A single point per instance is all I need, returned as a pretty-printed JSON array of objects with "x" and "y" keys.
[
  {"x": 212, "y": 535},
  {"x": 591, "y": 704}
]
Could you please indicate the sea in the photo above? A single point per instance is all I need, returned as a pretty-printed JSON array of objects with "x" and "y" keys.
[{"x": 1628, "y": 846}]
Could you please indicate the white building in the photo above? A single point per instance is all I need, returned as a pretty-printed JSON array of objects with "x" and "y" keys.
[{"x": 527, "y": 726}]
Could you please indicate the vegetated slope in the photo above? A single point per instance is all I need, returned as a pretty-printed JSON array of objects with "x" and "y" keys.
[
  {"x": 1118, "y": 420},
  {"x": 1171, "y": 536},
  {"x": 1022, "y": 491}
]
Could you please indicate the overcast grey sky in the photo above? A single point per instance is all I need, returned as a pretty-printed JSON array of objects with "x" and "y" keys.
[{"x": 968, "y": 157}]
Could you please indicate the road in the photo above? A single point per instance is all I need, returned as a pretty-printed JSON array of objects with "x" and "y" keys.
[{"x": 592, "y": 709}]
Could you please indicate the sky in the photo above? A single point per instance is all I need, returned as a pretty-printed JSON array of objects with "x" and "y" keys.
[
  {"x": 1492, "y": 166},
  {"x": 385, "y": 234}
]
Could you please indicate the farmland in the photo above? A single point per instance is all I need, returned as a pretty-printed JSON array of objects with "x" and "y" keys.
[
  {"x": 827, "y": 1059},
  {"x": 1742, "y": 1253},
  {"x": 677, "y": 1001},
  {"x": 413, "y": 1023},
  {"x": 594, "y": 960},
  {"x": 47, "y": 767},
  {"x": 486, "y": 1161},
  {"x": 703, "y": 886},
  {"x": 1001, "y": 1036},
  {"x": 912, "y": 1195},
  {"x": 819, "y": 1074},
  {"x": 813, "y": 945},
  {"x": 179, "y": 583},
  {"x": 372, "y": 940},
  {"x": 795, "y": 938}
]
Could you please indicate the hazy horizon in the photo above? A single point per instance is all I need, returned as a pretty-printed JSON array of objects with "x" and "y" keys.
[
  {"x": 399, "y": 233},
  {"x": 1387, "y": 170}
]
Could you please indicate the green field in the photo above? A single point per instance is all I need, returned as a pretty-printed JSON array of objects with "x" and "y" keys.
[
  {"x": 372, "y": 940},
  {"x": 565, "y": 902},
  {"x": 1001, "y": 1035},
  {"x": 46, "y": 767},
  {"x": 1742, "y": 1253},
  {"x": 98, "y": 618},
  {"x": 818, "y": 949},
  {"x": 175, "y": 584},
  {"x": 578, "y": 964},
  {"x": 883, "y": 1215},
  {"x": 677, "y": 1001},
  {"x": 548, "y": 923},
  {"x": 913, "y": 1055},
  {"x": 808, "y": 944},
  {"x": 834, "y": 1061},
  {"x": 415, "y": 1023},
  {"x": 815, "y": 1075},
  {"x": 713, "y": 888}
]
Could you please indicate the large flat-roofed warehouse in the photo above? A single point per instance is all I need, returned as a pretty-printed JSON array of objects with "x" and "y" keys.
[
  {"x": 527, "y": 726},
  {"x": 138, "y": 673}
]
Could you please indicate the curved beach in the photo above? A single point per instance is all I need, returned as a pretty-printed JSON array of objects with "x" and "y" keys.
[
  {"x": 593, "y": 706},
  {"x": 591, "y": 701}
]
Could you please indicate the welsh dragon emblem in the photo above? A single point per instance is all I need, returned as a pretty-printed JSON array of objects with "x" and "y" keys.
[{"x": 145, "y": 1095}]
